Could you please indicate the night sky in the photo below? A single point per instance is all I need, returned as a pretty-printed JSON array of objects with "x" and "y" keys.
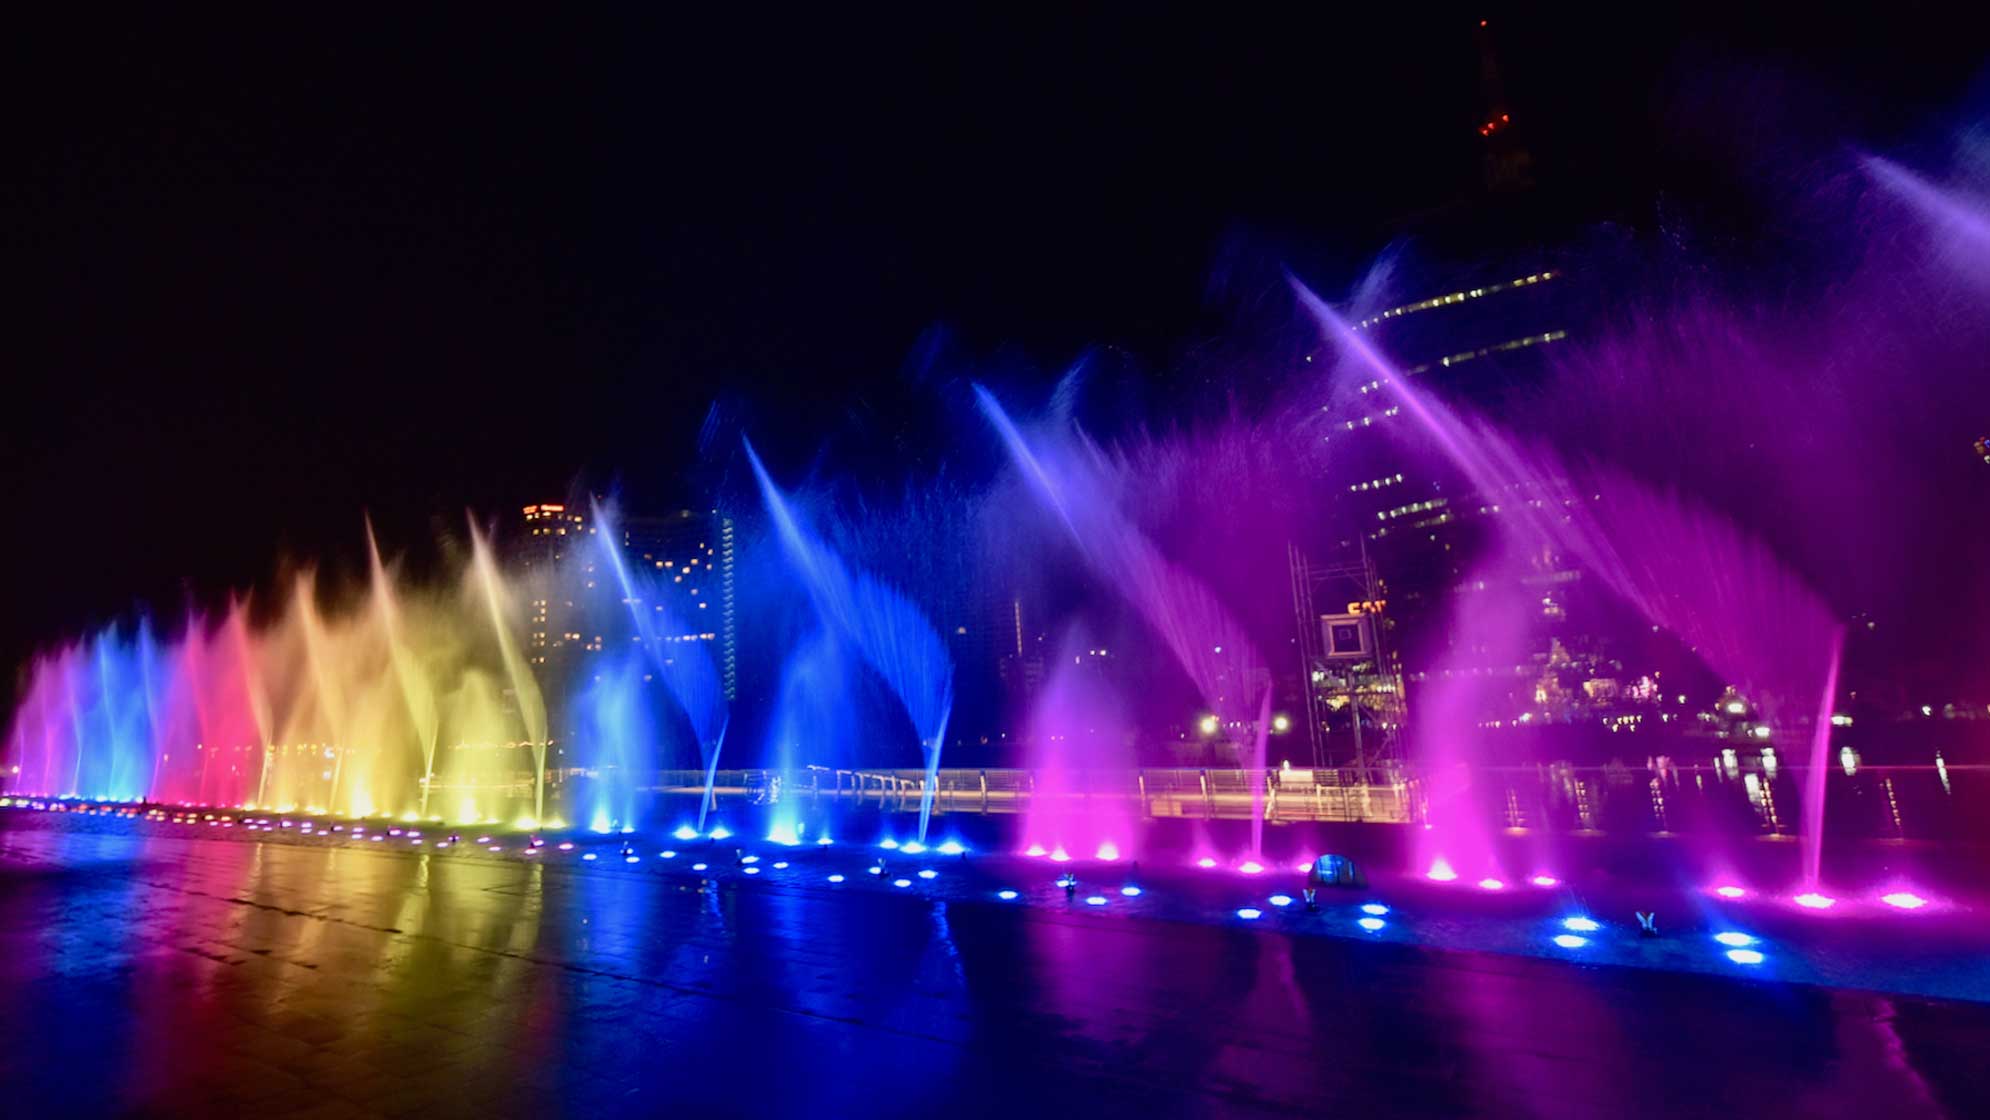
[{"x": 267, "y": 276}]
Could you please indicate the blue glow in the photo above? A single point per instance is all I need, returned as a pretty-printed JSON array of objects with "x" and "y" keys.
[
  {"x": 913, "y": 846},
  {"x": 749, "y": 859},
  {"x": 1375, "y": 909},
  {"x": 875, "y": 870},
  {"x": 699, "y": 866},
  {"x": 836, "y": 878},
  {"x": 1371, "y": 924},
  {"x": 1734, "y": 940},
  {"x": 1006, "y": 895},
  {"x": 1250, "y": 913},
  {"x": 1130, "y": 891},
  {"x": 1570, "y": 941},
  {"x": 889, "y": 844},
  {"x": 1582, "y": 925},
  {"x": 721, "y": 833},
  {"x": 927, "y": 873},
  {"x": 1281, "y": 900},
  {"x": 589, "y": 856},
  {"x": 823, "y": 841},
  {"x": 1744, "y": 956},
  {"x": 952, "y": 848},
  {"x": 901, "y": 882},
  {"x": 668, "y": 853},
  {"x": 753, "y": 871},
  {"x": 632, "y": 859},
  {"x": 780, "y": 865},
  {"x": 1096, "y": 900},
  {"x": 685, "y": 832}
]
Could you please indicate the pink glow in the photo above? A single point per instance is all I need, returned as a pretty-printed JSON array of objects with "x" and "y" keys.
[
  {"x": 1545, "y": 881},
  {"x": 1811, "y": 900},
  {"x": 1060, "y": 856},
  {"x": 1904, "y": 900},
  {"x": 1205, "y": 863},
  {"x": 1491, "y": 884},
  {"x": 1034, "y": 851},
  {"x": 1251, "y": 867},
  {"x": 1440, "y": 872},
  {"x": 1730, "y": 892},
  {"x": 1108, "y": 851}
]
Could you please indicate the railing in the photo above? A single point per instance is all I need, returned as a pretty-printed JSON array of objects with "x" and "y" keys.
[{"x": 1277, "y": 795}]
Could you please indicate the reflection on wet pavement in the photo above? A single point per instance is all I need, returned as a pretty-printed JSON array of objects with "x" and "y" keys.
[{"x": 179, "y": 976}]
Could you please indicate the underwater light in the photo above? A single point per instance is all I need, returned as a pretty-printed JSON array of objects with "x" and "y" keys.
[
  {"x": 823, "y": 841},
  {"x": 1281, "y": 900},
  {"x": 1744, "y": 956},
  {"x": 1096, "y": 900},
  {"x": 1251, "y": 867},
  {"x": 566, "y": 845},
  {"x": 753, "y": 871},
  {"x": 1730, "y": 892},
  {"x": 1582, "y": 925},
  {"x": 1491, "y": 884},
  {"x": 952, "y": 848},
  {"x": 1734, "y": 940},
  {"x": 668, "y": 853},
  {"x": 1811, "y": 900},
  {"x": 1130, "y": 891},
  {"x": 1108, "y": 851},
  {"x": 901, "y": 882},
  {"x": 749, "y": 859},
  {"x": 686, "y": 832},
  {"x": 1371, "y": 924},
  {"x": 1440, "y": 872},
  {"x": 1060, "y": 856},
  {"x": 1205, "y": 863},
  {"x": 721, "y": 833},
  {"x": 694, "y": 867},
  {"x": 913, "y": 847},
  {"x": 875, "y": 870},
  {"x": 1374, "y": 908},
  {"x": 625, "y": 859},
  {"x": 1034, "y": 850},
  {"x": 888, "y": 844},
  {"x": 1570, "y": 941},
  {"x": 836, "y": 878},
  {"x": 1250, "y": 913},
  {"x": 927, "y": 873},
  {"x": 780, "y": 865},
  {"x": 589, "y": 856},
  {"x": 1904, "y": 900},
  {"x": 1006, "y": 895},
  {"x": 1545, "y": 881}
]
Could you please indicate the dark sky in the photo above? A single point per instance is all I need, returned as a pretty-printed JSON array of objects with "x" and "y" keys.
[{"x": 268, "y": 275}]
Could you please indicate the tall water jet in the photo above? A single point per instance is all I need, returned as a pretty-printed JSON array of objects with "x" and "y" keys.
[
  {"x": 891, "y": 634},
  {"x": 1205, "y": 640},
  {"x": 415, "y": 688},
  {"x": 1686, "y": 568},
  {"x": 1076, "y": 742},
  {"x": 677, "y": 655},
  {"x": 811, "y": 714},
  {"x": 524, "y": 687}
]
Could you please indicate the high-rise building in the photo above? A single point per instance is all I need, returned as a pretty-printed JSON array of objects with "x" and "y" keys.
[{"x": 689, "y": 558}]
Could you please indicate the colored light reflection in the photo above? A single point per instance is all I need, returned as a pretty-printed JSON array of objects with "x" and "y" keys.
[
  {"x": 1371, "y": 924},
  {"x": 667, "y": 854},
  {"x": 1811, "y": 900},
  {"x": 781, "y": 865},
  {"x": 1744, "y": 956}
]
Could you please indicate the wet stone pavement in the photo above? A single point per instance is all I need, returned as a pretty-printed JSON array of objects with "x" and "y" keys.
[{"x": 165, "y": 975}]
